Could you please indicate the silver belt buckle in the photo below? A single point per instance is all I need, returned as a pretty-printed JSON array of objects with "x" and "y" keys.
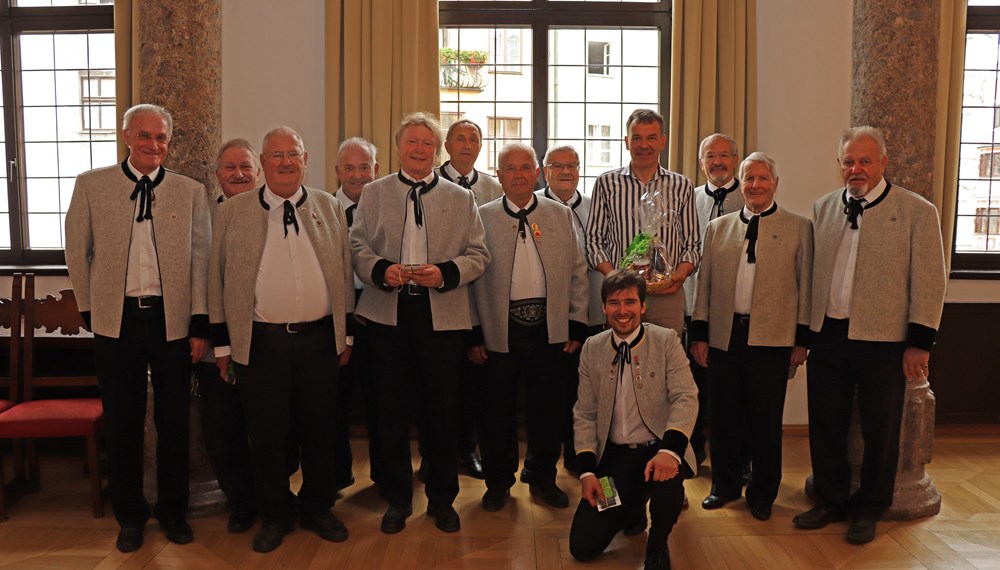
[
  {"x": 412, "y": 289},
  {"x": 140, "y": 300},
  {"x": 289, "y": 329}
]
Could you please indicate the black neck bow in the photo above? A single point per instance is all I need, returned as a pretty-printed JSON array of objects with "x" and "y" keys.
[
  {"x": 144, "y": 191},
  {"x": 719, "y": 196},
  {"x": 521, "y": 215},
  {"x": 753, "y": 227},
  {"x": 623, "y": 351},
  {"x": 417, "y": 189},
  {"x": 289, "y": 214}
]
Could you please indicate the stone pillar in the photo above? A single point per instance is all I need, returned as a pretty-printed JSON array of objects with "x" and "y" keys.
[
  {"x": 895, "y": 89},
  {"x": 180, "y": 67}
]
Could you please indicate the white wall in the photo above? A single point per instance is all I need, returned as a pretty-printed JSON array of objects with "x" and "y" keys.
[{"x": 273, "y": 74}]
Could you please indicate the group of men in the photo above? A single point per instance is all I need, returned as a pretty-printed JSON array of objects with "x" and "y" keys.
[{"x": 438, "y": 289}]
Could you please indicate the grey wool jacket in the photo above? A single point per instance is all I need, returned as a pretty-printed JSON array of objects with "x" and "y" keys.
[
  {"x": 239, "y": 234},
  {"x": 899, "y": 277},
  {"x": 782, "y": 276},
  {"x": 455, "y": 243},
  {"x": 667, "y": 398},
  {"x": 563, "y": 263},
  {"x": 98, "y": 233}
]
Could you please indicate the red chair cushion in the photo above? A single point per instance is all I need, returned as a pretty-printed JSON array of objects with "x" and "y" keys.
[
  {"x": 52, "y": 418},
  {"x": 5, "y": 405}
]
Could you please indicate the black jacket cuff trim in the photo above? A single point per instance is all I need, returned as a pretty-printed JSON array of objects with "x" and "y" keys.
[
  {"x": 674, "y": 440},
  {"x": 698, "y": 331},
  {"x": 450, "y": 274},
  {"x": 85, "y": 315},
  {"x": 920, "y": 336},
  {"x": 578, "y": 331},
  {"x": 475, "y": 337},
  {"x": 220, "y": 334},
  {"x": 198, "y": 327},
  {"x": 586, "y": 462},
  {"x": 378, "y": 274},
  {"x": 803, "y": 336}
]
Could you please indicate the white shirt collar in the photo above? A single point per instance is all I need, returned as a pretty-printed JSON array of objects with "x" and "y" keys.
[
  {"x": 428, "y": 179},
  {"x": 138, "y": 174},
  {"x": 515, "y": 208},
  {"x": 344, "y": 198},
  {"x": 273, "y": 200},
  {"x": 728, "y": 183},
  {"x": 632, "y": 336},
  {"x": 875, "y": 193},
  {"x": 455, "y": 174}
]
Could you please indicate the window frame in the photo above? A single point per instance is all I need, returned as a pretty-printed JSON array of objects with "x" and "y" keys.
[
  {"x": 16, "y": 20},
  {"x": 541, "y": 16}
]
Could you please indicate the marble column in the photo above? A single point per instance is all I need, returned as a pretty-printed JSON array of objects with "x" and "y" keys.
[
  {"x": 180, "y": 68},
  {"x": 894, "y": 88}
]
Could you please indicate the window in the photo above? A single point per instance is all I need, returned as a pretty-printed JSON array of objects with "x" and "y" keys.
[
  {"x": 988, "y": 221},
  {"x": 568, "y": 72},
  {"x": 59, "y": 116}
]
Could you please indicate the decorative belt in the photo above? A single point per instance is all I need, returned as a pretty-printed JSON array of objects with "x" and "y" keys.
[
  {"x": 527, "y": 312},
  {"x": 293, "y": 328}
]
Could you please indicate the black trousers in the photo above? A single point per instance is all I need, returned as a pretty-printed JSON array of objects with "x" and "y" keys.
[
  {"x": 417, "y": 368},
  {"x": 291, "y": 379},
  {"x": 469, "y": 400},
  {"x": 592, "y": 531},
  {"x": 747, "y": 394},
  {"x": 122, "y": 366},
  {"x": 356, "y": 373},
  {"x": 532, "y": 358},
  {"x": 225, "y": 433},
  {"x": 839, "y": 367}
]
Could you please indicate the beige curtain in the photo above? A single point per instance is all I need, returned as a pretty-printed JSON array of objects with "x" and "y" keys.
[
  {"x": 951, "y": 63},
  {"x": 713, "y": 78},
  {"x": 126, "y": 62},
  {"x": 381, "y": 63}
]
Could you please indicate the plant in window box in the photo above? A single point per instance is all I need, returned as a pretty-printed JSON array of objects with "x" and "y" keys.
[{"x": 448, "y": 62}]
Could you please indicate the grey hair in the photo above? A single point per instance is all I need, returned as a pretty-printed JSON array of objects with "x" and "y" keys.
[
  {"x": 863, "y": 132},
  {"x": 236, "y": 143},
  {"x": 283, "y": 130},
  {"x": 357, "y": 142},
  {"x": 463, "y": 123},
  {"x": 419, "y": 119},
  {"x": 144, "y": 109},
  {"x": 563, "y": 148},
  {"x": 708, "y": 140},
  {"x": 761, "y": 158},
  {"x": 513, "y": 147}
]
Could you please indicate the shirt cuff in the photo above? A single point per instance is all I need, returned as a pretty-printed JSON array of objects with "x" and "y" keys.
[
  {"x": 582, "y": 475},
  {"x": 671, "y": 454},
  {"x": 222, "y": 351}
]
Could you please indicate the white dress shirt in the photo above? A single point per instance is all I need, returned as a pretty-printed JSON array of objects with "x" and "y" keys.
[
  {"x": 346, "y": 202},
  {"x": 745, "y": 273},
  {"x": 527, "y": 279},
  {"x": 838, "y": 305},
  {"x": 142, "y": 275},
  {"x": 414, "y": 249}
]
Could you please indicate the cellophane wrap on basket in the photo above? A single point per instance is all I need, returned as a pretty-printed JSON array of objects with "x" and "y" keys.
[{"x": 646, "y": 254}]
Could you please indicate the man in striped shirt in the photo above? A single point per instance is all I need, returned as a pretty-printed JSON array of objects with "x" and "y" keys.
[{"x": 614, "y": 215}]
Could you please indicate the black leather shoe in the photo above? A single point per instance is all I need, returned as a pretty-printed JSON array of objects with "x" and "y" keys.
[
  {"x": 129, "y": 539},
  {"x": 761, "y": 512},
  {"x": 552, "y": 495},
  {"x": 494, "y": 500},
  {"x": 241, "y": 520},
  {"x": 472, "y": 465},
  {"x": 394, "y": 520},
  {"x": 178, "y": 531},
  {"x": 343, "y": 482},
  {"x": 861, "y": 531},
  {"x": 713, "y": 502},
  {"x": 639, "y": 526},
  {"x": 325, "y": 524},
  {"x": 816, "y": 518},
  {"x": 525, "y": 475},
  {"x": 271, "y": 532},
  {"x": 659, "y": 560},
  {"x": 445, "y": 517}
]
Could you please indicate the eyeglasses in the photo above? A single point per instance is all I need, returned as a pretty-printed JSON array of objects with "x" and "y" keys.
[
  {"x": 721, "y": 156},
  {"x": 292, "y": 155},
  {"x": 558, "y": 166}
]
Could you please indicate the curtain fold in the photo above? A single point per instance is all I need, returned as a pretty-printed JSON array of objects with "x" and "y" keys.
[
  {"x": 126, "y": 63},
  {"x": 381, "y": 63},
  {"x": 713, "y": 71},
  {"x": 951, "y": 64}
]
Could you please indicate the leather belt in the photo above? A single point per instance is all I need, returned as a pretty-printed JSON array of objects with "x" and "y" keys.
[
  {"x": 414, "y": 289},
  {"x": 649, "y": 443},
  {"x": 527, "y": 312},
  {"x": 294, "y": 328},
  {"x": 145, "y": 302},
  {"x": 741, "y": 320}
]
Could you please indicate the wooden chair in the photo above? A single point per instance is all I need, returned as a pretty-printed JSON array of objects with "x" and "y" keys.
[
  {"x": 33, "y": 418},
  {"x": 10, "y": 318}
]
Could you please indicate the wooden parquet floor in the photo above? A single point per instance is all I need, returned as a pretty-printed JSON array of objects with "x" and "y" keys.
[{"x": 55, "y": 529}]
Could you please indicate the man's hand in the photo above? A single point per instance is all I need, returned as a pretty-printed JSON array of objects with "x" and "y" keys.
[
  {"x": 427, "y": 275},
  {"x": 799, "y": 356},
  {"x": 591, "y": 490},
  {"x": 680, "y": 275},
  {"x": 605, "y": 267},
  {"x": 222, "y": 363},
  {"x": 199, "y": 348},
  {"x": 345, "y": 356},
  {"x": 699, "y": 352},
  {"x": 662, "y": 467},
  {"x": 397, "y": 275},
  {"x": 915, "y": 363},
  {"x": 477, "y": 354},
  {"x": 572, "y": 346}
]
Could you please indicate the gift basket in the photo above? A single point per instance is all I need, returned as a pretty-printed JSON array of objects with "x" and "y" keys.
[{"x": 647, "y": 254}]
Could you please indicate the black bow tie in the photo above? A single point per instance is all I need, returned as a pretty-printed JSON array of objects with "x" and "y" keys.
[
  {"x": 463, "y": 181},
  {"x": 753, "y": 228},
  {"x": 855, "y": 207},
  {"x": 144, "y": 191},
  {"x": 289, "y": 210},
  {"x": 623, "y": 352},
  {"x": 417, "y": 189},
  {"x": 522, "y": 217},
  {"x": 719, "y": 196},
  {"x": 350, "y": 214}
]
